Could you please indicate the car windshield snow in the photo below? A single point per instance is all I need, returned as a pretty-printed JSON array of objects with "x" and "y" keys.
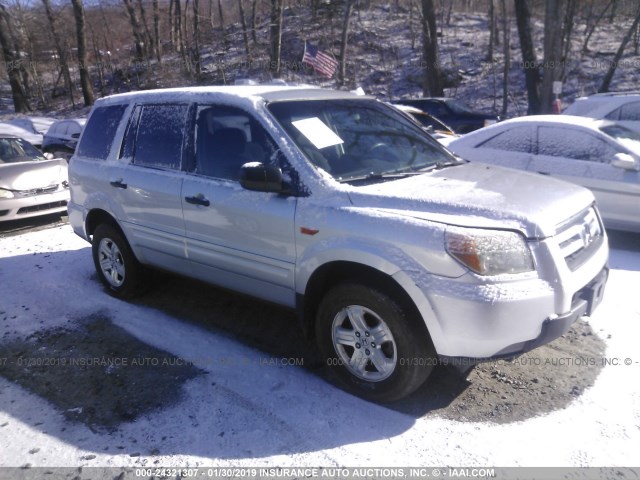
[
  {"x": 356, "y": 140},
  {"x": 14, "y": 150}
]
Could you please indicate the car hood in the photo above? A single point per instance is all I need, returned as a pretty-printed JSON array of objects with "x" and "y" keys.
[
  {"x": 477, "y": 195},
  {"x": 30, "y": 175}
]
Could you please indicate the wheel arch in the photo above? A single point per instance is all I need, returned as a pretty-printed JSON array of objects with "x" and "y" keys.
[
  {"x": 335, "y": 272},
  {"x": 98, "y": 216}
]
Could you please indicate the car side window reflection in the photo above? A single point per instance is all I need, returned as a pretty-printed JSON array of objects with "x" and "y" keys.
[{"x": 226, "y": 138}]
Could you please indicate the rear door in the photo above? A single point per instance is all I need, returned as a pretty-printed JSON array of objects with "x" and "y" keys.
[
  {"x": 239, "y": 239},
  {"x": 148, "y": 182}
]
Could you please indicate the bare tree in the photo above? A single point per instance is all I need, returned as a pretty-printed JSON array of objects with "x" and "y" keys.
[
  {"x": 606, "y": 81},
  {"x": 156, "y": 31},
  {"x": 492, "y": 31},
  {"x": 348, "y": 6},
  {"x": 591, "y": 28},
  {"x": 432, "y": 81},
  {"x": 196, "y": 41},
  {"x": 558, "y": 19},
  {"x": 275, "y": 36},
  {"x": 529, "y": 60},
  {"x": 85, "y": 78},
  {"x": 60, "y": 50},
  {"x": 138, "y": 32},
  {"x": 507, "y": 57},
  {"x": 13, "y": 63},
  {"x": 245, "y": 33}
]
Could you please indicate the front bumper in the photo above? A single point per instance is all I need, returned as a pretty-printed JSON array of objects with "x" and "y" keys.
[
  {"x": 32, "y": 206},
  {"x": 585, "y": 301}
]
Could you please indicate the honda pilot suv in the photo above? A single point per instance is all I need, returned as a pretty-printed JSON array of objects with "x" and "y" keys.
[{"x": 396, "y": 254}]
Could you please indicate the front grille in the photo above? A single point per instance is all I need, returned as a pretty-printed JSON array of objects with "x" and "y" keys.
[
  {"x": 580, "y": 237},
  {"x": 43, "y": 206},
  {"x": 36, "y": 191}
]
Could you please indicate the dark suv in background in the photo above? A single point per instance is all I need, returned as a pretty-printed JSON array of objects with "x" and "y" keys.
[
  {"x": 62, "y": 137},
  {"x": 452, "y": 112}
]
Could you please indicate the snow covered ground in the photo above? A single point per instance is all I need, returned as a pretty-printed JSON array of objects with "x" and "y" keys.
[{"x": 257, "y": 413}]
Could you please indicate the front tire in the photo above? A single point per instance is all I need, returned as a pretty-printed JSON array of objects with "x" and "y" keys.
[
  {"x": 116, "y": 265},
  {"x": 372, "y": 345}
]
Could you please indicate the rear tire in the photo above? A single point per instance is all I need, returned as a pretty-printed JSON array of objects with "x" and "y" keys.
[
  {"x": 116, "y": 265},
  {"x": 372, "y": 346}
]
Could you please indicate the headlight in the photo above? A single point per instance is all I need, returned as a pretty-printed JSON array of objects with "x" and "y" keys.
[
  {"x": 489, "y": 252},
  {"x": 5, "y": 193}
]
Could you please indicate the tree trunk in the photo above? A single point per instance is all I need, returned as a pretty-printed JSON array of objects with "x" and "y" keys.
[
  {"x": 245, "y": 33},
  {"x": 606, "y": 81},
  {"x": 196, "y": 41},
  {"x": 348, "y": 6},
  {"x": 506, "y": 45},
  {"x": 61, "y": 51},
  {"x": 432, "y": 81},
  {"x": 85, "y": 78},
  {"x": 147, "y": 33},
  {"x": 492, "y": 31},
  {"x": 254, "y": 22},
  {"x": 529, "y": 60},
  {"x": 138, "y": 33},
  {"x": 13, "y": 64},
  {"x": 552, "y": 52},
  {"x": 275, "y": 37},
  {"x": 156, "y": 31},
  {"x": 592, "y": 29}
]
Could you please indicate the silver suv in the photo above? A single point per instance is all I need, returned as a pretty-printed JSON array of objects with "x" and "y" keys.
[{"x": 397, "y": 255}]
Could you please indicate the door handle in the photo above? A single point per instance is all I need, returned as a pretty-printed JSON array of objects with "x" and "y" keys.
[
  {"x": 198, "y": 199},
  {"x": 119, "y": 183},
  {"x": 544, "y": 173}
]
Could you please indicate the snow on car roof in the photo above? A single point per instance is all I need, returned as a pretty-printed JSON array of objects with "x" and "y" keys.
[
  {"x": 556, "y": 119},
  {"x": 266, "y": 92}
]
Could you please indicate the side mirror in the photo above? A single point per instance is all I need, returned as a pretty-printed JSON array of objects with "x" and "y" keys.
[
  {"x": 624, "y": 161},
  {"x": 49, "y": 156},
  {"x": 259, "y": 177}
]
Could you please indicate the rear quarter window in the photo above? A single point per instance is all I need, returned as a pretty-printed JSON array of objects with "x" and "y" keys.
[{"x": 100, "y": 132}]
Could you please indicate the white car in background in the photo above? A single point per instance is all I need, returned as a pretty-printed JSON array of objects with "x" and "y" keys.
[
  {"x": 598, "y": 154},
  {"x": 33, "y": 124},
  {"x": 30, "y": 183},
  {"x": 16, "y": 131},
  {"x": 621, "y": 107}
]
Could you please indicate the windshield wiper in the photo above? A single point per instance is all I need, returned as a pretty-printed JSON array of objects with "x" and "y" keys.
[{"x": 379, "y": 176}]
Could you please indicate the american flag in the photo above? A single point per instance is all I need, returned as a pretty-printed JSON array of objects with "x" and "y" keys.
[{"x": 321, "y": 62}]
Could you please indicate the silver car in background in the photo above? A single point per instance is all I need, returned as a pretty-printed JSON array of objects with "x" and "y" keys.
[
  {"x": 601, "y": 155},
  {"x": 30, "y": 184}
]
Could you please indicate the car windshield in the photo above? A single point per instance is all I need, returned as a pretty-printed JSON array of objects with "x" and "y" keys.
[
  {"x": 623, "y": 135},
  {"x": 359, "y": 139},
  {"x": 14, "y": 150}
]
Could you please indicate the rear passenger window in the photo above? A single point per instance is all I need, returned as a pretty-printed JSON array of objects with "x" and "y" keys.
[
  {"x": 517, "y": 139},
  {"x": 159, "y": 142},
  {"x": 100, "y": 131}
]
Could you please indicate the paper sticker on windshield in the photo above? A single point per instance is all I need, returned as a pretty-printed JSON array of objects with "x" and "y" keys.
[{"x": 317, "y": 132}]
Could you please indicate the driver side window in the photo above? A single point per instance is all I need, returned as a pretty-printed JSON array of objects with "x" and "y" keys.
[{"x": 227, "y": 138}]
